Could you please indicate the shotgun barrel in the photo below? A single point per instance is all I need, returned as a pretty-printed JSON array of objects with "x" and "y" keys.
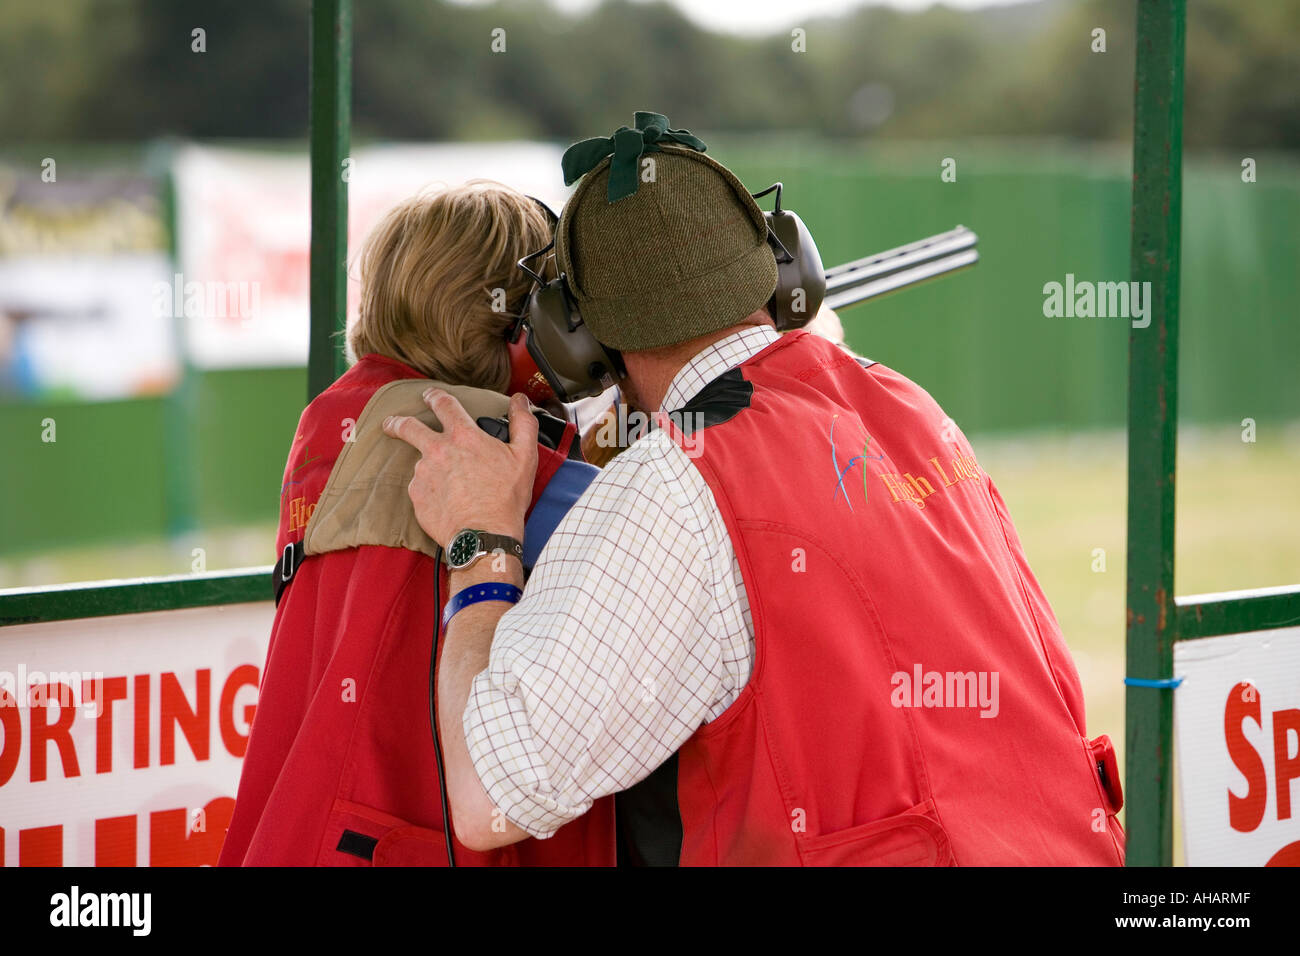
[{"x": 884, "y": 272}]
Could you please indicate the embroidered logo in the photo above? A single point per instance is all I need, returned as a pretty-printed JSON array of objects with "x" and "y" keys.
[{"x": 856, "y": 459}]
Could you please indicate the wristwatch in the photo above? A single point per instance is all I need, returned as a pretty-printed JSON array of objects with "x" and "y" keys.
[{"x": 471, "y": 544}]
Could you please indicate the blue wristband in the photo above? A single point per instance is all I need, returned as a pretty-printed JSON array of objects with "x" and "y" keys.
[{"x": 493, "y": 591}]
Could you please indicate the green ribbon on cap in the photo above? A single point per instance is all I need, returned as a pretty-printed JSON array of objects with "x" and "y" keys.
[{"x": 626, "y": 145}]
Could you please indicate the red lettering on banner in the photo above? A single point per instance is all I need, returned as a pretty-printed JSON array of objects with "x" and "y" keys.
[
  {"x": 174, "y": 711},
  {"x": 60, "y": 732},
  {"x": 100, "y": 697},
  {"x": 1245, "y": 813},
  {"x": 171, "y": 843},
  {"x": 50, "y": 715},
  {"x": 115, "y": 841},
  {"x": 242, "y": 676},
  {"x": 114, "y": 690},
  {"x": 141, "y": 720},
  {"x": 40, "y": 846},
  {"x": 12, "y": 725},
  {"x": 1286, "y": 767}
]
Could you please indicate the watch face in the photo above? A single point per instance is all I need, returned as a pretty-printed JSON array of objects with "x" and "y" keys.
[{"x": 463, "y": 548}]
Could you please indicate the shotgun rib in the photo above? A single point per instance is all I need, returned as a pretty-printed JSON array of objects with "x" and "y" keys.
[{"x": 876, "y": 275}]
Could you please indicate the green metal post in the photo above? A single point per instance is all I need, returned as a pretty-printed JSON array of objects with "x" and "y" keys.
[
  {"x": 1153, "y": 428},
  {"x": 180, "y": 407},
  {"x": 331, "y": 136}
]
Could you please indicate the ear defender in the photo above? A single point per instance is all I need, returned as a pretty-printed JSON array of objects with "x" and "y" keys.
[
  {"x": 568, "y": 355},
  {"x": 552, "y": 353},
  {"x": 800, "y": 280},
  {"x": 525, "y": 376}
]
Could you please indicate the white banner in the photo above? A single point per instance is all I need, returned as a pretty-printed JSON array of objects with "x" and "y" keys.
[
  {"x": 1237, "y": 730},
  {"x": 244, "y": 231},
  {"x": 122, "y": 738}
]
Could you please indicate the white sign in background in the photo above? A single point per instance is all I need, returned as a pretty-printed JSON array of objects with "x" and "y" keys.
[
  {"x": 1223, "y": 750},
  {"x": 224, "y": 641},
  {"x": 244, "y": 229},
  {"x": 89, "y": 329}
]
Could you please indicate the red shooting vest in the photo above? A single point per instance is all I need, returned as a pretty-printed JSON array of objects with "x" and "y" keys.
[
  {"x": 888, "y": 590},
  {"x": 340, "y": 768}
]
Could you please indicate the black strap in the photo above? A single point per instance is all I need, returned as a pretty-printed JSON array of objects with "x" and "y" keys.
[{"x": 286, "y": 568}]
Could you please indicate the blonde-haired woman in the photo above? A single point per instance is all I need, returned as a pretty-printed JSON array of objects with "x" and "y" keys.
[{"x": 342, "y": 765}]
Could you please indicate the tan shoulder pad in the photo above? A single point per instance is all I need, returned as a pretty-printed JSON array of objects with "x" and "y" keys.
[{"x": 365, "y": 499}]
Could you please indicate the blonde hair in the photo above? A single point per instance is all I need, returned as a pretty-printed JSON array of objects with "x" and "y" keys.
[{"x": 440, "y": 284}]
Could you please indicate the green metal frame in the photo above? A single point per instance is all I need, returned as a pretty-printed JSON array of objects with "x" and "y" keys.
[
  {"x": 104, "y": 598},
  {"x": 331, "y": 91},
  {"x": 1155, "y": 618}
]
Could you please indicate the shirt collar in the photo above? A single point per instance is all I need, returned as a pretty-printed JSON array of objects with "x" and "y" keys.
[{"x": 721, "y": 356}]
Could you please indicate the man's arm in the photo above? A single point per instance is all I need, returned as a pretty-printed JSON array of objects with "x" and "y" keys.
[
  {"x": 467, "y": 479},
  {"x": 632, "y": 633},
  {"x": 478, "y": 823}
]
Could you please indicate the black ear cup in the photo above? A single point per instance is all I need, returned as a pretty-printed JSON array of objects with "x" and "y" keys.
[
  {"x": 801, "y": 280},
  {"x": 560, "y": 345},
  {"x": 566, "y": 352}
]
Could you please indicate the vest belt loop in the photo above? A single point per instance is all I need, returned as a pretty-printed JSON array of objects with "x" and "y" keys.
[{"x": 286, "y": 567}]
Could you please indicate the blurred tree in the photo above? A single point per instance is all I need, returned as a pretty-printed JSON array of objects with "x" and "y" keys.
[
  {"x": 426, "y": 69},
  {"x": 248, "y": 81}
]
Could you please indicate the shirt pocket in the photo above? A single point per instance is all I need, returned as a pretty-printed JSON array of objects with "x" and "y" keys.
[{"x": 914, "y": 837}]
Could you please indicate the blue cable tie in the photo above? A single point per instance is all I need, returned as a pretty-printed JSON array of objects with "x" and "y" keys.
[{"x": 1160, "y": 683}]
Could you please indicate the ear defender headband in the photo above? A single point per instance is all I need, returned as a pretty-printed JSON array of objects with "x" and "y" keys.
[
  {"x": 525, "y": 371},
  {"x": 553, "y": 355}
]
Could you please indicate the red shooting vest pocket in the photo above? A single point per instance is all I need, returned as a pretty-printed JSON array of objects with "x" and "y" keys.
[
  {"x": 357, "y": 835},
  {"x": 911, "y": 838},
  {"x": 1103, "y": 756},
  {"x": 1106, "y": 773}
]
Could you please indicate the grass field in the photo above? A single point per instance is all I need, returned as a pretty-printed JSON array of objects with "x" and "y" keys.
[{"x": 1238, "y": 526}]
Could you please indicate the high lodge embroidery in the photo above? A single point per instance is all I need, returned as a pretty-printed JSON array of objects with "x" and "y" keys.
[
  {"x": 300, "y": 509},
  {"x": 914, "y": 488},
  {"x": 300, "y": 512}
]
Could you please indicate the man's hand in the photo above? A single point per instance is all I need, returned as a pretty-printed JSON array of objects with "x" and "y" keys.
[{"x": 466, "y": 478}]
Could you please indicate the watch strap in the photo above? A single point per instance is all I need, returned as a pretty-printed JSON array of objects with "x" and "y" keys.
[{"x": 491, "y": 542}]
